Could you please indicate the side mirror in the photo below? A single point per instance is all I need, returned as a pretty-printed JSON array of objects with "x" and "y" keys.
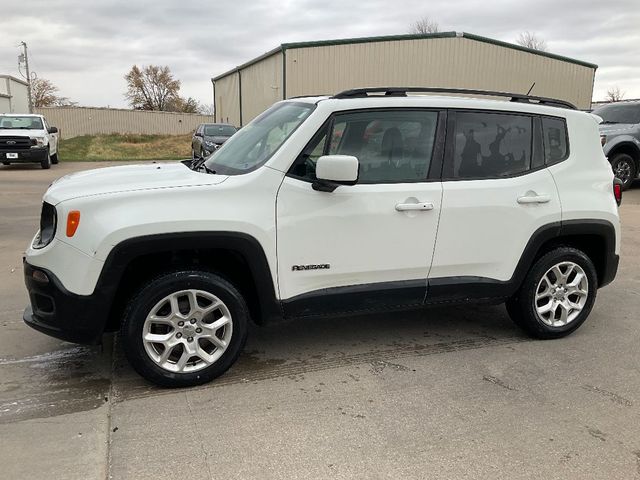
[
  {"x": 197, "y": 134},
  {"x": 52, "y": 130},
  {"x": 335, "y": 170}
]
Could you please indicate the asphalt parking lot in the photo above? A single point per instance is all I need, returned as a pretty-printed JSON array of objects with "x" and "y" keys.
[{"x": 442, "y": 393}]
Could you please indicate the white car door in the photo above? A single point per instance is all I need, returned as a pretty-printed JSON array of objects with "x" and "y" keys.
[
  {"x": 497, "y": 192},
  {"x": 363, "y": 246}
]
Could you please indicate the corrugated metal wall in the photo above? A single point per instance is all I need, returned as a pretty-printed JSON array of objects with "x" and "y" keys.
[
  {"x": 448, "y": 61},
  {"x": 261, "y": 86},
  {"x": 455, "y": 62},
  {"x": 76, "y": 121},
  {"x": 17, "y": 95},
  {"x": 227, "y": 100}
]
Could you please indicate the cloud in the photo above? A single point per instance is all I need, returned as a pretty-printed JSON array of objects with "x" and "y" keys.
[{"x": 85, "y": 48}]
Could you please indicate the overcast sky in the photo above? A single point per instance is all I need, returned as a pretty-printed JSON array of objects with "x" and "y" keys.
[{"x": 85, "y": 48}]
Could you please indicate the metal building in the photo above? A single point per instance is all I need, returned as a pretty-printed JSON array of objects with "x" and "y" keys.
[
  {"x": 14, "y": 95},
  {"x": 448, "y": 59}
]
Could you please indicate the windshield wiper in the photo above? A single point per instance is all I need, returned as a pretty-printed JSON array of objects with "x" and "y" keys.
[
  {"x": 608, "y": 122},
  {"x": 208, "y": 170}
]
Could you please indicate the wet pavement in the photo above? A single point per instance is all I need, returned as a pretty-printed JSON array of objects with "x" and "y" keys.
[{"x": 442, "y": 393}]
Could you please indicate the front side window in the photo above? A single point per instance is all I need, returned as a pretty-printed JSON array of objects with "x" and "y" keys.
[
  {"x": 255, "y": 143},
  {"x": 392, "y": 146},
  {"x": 490, "y": 145}
]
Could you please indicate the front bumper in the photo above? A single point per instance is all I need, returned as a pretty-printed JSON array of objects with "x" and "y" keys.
[
  {"x": 62, "y": 314},
  {"x": 25, "y": 156}
]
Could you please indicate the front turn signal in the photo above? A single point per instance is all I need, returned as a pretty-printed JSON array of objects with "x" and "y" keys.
[{"x": 73, "y": 220}]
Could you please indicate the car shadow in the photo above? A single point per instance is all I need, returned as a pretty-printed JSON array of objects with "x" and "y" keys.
[{"x": 299, "y": 346}]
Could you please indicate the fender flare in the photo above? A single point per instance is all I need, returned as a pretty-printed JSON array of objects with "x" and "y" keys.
[{"x": 245, "y": 245}]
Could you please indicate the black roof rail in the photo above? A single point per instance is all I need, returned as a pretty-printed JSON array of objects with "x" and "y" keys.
[{"x": 402, "y": 92}]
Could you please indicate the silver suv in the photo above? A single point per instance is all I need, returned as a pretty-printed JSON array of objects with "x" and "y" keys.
[{"x": 620, "y": 138}]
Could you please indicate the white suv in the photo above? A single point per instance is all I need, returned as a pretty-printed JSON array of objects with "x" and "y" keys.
[{"x": 365, "y": 201}]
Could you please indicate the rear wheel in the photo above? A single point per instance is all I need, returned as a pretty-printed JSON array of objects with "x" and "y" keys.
[
  {"x": 624, "y": 168},
  {"x": 185, "y": 328},
  {"x": 556, "y": 296},
  {"x": 46, "y": 162},
  {"x": 54, "y": 158}
]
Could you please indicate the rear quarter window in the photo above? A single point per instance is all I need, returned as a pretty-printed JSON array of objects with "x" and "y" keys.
[{"x": 556, "y": 145}]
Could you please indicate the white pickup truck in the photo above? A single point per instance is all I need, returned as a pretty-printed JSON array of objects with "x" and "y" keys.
[{"x": 27, "y": 138}]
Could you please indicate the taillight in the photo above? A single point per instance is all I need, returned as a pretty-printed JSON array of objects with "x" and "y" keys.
[{"x": 617, "y": 190}]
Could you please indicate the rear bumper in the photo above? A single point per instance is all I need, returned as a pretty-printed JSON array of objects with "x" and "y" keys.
[
  {"x": 61, "y": 314},
  {"x": 610, "y": 269},
  {"x": 25, "y": 156}
]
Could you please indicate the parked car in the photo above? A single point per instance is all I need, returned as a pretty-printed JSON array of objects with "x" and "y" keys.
[
  {"x": 360, "y": 202},
  {"x": 209, "y": 137},
  {"x": 620, "y": 138},
  {"x": 27, "y": 138}
]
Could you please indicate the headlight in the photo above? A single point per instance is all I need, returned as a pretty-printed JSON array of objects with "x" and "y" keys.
[
  {"x": 48, "y": 221},
  {"x": 40, "y": 141},
  {"x": 603, "y": 140}
]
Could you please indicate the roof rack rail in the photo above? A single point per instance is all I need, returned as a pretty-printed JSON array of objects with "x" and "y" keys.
[{"x": 402, "y": 92}]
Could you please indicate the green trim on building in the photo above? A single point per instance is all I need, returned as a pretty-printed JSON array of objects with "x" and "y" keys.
[
  {"x": 500, "y": 43},
  {"x": 387, "y": 38}
]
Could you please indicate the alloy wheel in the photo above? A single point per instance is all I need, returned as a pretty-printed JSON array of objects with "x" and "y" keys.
[
  {"x": 187, "y": 331},
  {"x": 561, "y": 294}
]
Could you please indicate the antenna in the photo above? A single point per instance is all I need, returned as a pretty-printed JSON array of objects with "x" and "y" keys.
[{"x": 532, "y": 85}]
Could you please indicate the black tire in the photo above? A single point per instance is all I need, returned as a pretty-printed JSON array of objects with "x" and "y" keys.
[
  {"x": 521, "y": 307},
  {"x": 6, "y": 163},
  {"x": 624, "y": 167},
  {"x": 141, "y": 305},
  {"x": 46, "y": 163},
  {"x": 54, "y": 159}
]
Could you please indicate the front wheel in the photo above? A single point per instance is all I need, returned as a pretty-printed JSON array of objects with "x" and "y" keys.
[
  {"x": 624, "y": 168},
  {"x": 46, "y": 162},
  {"x": 185, "y": 328},
  {"x": 557, "y": 294}
]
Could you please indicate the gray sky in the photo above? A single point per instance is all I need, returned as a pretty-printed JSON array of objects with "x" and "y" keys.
[{"x": 86, "y": 48}]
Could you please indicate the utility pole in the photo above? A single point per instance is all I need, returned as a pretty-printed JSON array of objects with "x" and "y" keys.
[{"x": 25, "y": 58}]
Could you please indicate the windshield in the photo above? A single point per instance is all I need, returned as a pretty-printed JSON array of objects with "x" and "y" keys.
[
  {"x": 254, "y": 144},
  {"x": 219, "y": 130},
  {"x": 18, "y": 122},
  {"x": 619, "y": 113}
]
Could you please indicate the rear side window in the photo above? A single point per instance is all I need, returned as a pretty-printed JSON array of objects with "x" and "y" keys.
[
  {"x": 554, "y": 131},
  {"x": 490, "y": 145}
]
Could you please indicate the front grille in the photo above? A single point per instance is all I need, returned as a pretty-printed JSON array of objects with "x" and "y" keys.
[{"x": 14, "y": 144}]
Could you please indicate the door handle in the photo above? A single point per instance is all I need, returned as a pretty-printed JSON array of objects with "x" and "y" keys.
[
  {"x": 422, "y": 207},
  {"x": 534, "y": 199}
]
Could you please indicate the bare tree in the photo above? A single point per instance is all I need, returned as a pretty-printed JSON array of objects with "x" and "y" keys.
[
  {"x": 183, "y": 105},
  {"x": 425, "y": 25},
  {"x": 531, "y": 40},
  {"x": 207, "y": 109},
  {"x": 151, "y": 88},
  {"x": 45, "y": 94},
  {"x": 614, "y": 94}
]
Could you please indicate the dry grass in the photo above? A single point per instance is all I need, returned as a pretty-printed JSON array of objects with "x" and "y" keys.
[{"x": 125, "y": 147}]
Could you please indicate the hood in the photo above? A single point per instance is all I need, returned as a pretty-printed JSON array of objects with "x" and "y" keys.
[
  {"x": 127, "y": 178},
  {"x": 20, "y": 132},
  {"x": 217, "y": 138},
  {"x": 615, "y": 128}
]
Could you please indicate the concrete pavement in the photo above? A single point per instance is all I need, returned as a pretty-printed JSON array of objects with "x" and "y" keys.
[{"x": 442, "y": 393}]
